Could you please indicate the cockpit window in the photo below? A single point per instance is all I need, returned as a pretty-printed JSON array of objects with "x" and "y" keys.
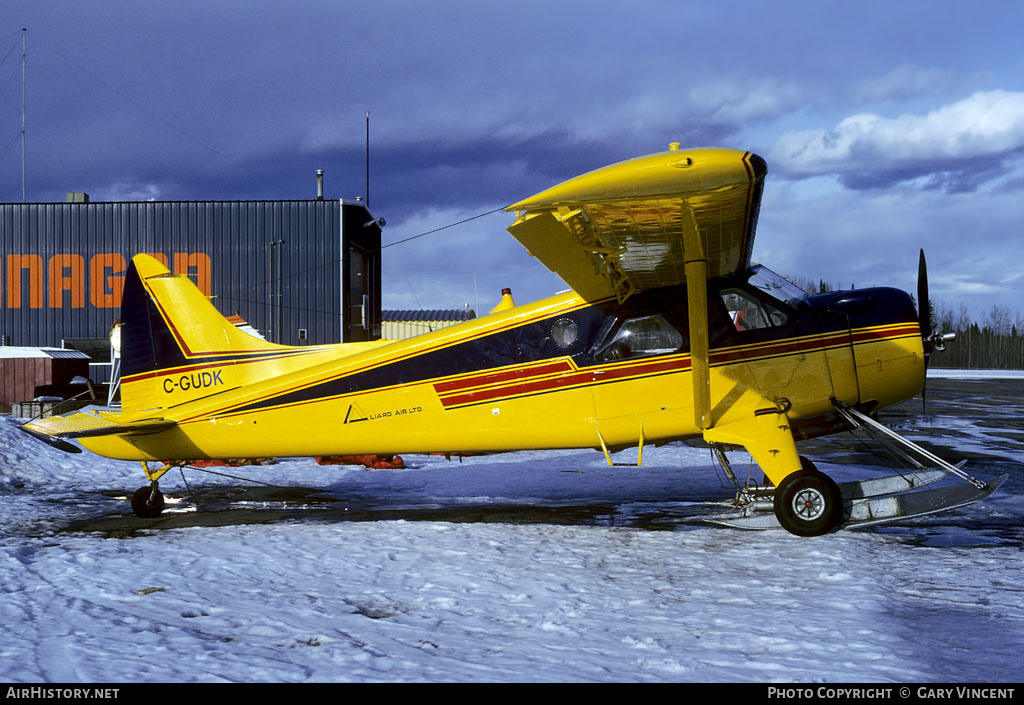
[
  {"x": 647, "y": 335},
  {"x": 748, "y": 313}
]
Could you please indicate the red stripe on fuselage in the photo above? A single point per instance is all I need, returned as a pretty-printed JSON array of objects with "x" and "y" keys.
[
  {"x": 582, "y": 378},
  {"x": 530, "y": 384}
]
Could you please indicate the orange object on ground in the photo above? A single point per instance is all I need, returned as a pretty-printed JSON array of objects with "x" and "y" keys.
[{"x": 377, "y": 462}]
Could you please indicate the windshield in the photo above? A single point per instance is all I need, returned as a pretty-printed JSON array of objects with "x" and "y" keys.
[{"x": 776, "y": 287}]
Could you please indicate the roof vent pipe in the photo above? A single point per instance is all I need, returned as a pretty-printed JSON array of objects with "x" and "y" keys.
[{"x": 319, "y": 184}]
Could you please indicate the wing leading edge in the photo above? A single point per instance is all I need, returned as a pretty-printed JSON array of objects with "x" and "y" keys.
[{"x": 623, "y": 229}]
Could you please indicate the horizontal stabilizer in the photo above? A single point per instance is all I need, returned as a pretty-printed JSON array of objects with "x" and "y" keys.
[{"x": 55, "y": 430}]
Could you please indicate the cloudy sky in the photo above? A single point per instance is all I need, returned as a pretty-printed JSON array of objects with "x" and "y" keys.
[{"x": 887, "y": 126}]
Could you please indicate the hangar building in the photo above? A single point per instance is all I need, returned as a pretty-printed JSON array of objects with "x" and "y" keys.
[{"x": 302, "y": 272}]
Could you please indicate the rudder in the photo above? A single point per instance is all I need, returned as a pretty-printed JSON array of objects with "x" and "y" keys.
[{"x": 174, "y": 342}]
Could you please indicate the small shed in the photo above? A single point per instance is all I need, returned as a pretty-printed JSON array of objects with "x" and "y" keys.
[
  {"x": 402, "y": 324},
  {"x": 22, "y": 370}
]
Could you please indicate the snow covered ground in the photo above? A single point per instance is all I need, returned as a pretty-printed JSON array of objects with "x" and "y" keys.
[
  {"x": 939, "y": 372},
  {"x": 519, "y": 567}
]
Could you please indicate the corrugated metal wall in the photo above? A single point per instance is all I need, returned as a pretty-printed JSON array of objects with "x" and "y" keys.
[{"x": 63, "y": 264}]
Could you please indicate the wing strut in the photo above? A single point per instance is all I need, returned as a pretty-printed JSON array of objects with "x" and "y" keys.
[{"x": 696, "y": 269}]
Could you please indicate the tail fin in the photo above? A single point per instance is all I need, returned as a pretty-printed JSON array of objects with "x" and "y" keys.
[
  {"x": 175, "y": 343},
  {"x": 175, "y": 347}
]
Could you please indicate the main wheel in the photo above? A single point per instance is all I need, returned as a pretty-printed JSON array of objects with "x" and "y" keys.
[
  {"x": 148, "y": 502},
  {"x": 808, "y": 503}
]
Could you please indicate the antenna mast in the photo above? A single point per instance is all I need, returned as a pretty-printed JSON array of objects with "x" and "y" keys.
[
  {"x": 23, "y": 32},
  {"x": 367, "y": 158}
]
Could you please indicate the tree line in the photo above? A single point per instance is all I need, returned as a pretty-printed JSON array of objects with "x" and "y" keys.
[{"x": 996, "y": 342}]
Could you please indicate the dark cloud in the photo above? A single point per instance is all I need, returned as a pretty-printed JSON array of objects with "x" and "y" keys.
[
  {"x": 474, "y": 105},
  {"x": 487, "y": 170},
  {"x": 949, "y": 176}
]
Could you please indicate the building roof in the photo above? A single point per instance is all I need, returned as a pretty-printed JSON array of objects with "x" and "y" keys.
[
  {"x": 11, "y": 351},
  {"x": 408, "y": 315}
]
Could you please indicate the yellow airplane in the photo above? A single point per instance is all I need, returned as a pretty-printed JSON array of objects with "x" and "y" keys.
[{"x": 668, "y": 333}]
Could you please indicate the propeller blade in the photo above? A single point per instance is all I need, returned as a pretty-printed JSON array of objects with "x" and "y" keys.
[
  {"x": 924, "y": 319},
  {"x": 924, "y": 307}
]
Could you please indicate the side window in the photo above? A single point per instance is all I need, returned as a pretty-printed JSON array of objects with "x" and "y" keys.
[
  {"x": 748, "y": 313},
  {"x": 649, "y": 335}
]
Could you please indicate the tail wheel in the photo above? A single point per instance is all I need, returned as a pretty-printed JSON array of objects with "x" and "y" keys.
[
  {"x": 148, "y": 502},
  {"x": 808, "y": 503}
]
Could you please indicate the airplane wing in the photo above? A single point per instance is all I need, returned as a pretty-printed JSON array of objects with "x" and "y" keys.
[
  {"x": 623, "y": 229},
  {"x": 654, "y": 221}
]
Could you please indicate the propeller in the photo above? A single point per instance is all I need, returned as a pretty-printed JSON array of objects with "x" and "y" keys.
[
  {"x": 924, "y": 319},
  {"x": 924, "y": 307},
  {"x": 930, "y": 339}
]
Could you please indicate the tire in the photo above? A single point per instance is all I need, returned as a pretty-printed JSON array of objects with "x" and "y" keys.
[
  {"x": 808, "y": 503},
  {"x": 147, "y": 502}
]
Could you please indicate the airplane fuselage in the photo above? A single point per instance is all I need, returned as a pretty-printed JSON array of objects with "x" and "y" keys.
[{"x": 558, "y": 373}]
